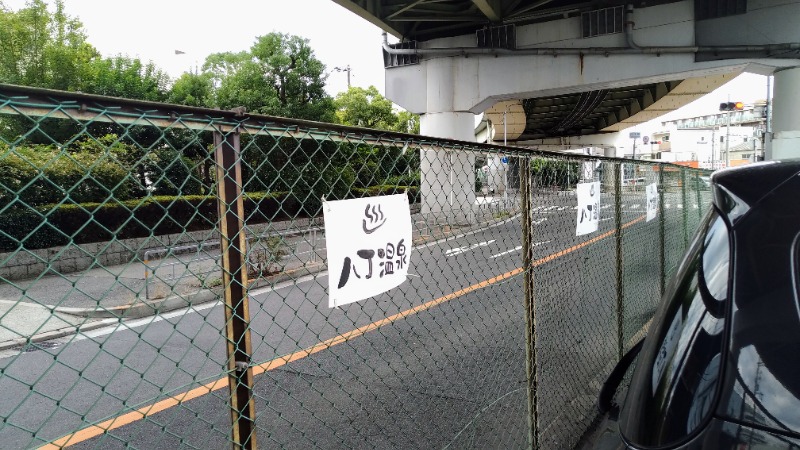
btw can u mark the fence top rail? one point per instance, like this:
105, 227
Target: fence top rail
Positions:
39, 102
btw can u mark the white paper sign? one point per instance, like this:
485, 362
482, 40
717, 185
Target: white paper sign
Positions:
368, 244
652, 201
588, 208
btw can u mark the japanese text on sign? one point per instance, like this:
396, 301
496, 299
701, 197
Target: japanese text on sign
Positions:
652, 201
588, 208
368, 245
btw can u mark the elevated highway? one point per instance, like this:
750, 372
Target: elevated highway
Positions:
570, 71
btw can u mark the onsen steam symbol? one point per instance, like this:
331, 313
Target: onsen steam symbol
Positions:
375, 216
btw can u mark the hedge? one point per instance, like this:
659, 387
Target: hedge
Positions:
386, 189
156, 215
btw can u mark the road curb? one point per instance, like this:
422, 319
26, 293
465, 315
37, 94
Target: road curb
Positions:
152, 307
54, 334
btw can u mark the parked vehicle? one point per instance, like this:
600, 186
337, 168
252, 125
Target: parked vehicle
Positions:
720, 367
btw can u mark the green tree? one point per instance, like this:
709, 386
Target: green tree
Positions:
368, 108
193, 90
365, 108
122, 76
278, 76
42, 48
407, 122
560, 173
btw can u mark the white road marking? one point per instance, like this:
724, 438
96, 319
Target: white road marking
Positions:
516, 249
635, 206
459, 236
466, 248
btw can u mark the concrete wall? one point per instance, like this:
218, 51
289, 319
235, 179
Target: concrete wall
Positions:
28, 264
766, 22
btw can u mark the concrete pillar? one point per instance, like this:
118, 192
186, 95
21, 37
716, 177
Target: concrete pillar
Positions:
785, 116
448, 176
497, 171
608, 168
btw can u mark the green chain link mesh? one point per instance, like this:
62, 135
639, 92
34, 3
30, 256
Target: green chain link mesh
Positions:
112, 282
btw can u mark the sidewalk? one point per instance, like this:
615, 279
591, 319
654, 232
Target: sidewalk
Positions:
56, 305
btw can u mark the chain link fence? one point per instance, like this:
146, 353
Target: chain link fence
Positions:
164, 284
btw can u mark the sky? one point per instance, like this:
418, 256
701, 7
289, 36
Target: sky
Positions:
153, 30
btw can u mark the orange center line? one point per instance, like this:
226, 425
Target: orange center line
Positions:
144, 412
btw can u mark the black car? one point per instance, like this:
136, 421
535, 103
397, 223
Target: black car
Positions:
720, 367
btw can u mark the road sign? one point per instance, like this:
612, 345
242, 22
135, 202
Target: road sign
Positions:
645, 140
504, 159
635, 135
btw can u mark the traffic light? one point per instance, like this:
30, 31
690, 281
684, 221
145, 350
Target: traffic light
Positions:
731, 106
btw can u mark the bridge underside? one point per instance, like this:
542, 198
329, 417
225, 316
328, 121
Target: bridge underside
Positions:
595, 112
423, 20
551, 69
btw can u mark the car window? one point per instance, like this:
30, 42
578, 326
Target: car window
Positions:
677, 375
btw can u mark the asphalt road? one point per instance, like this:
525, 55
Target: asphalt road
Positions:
450, 373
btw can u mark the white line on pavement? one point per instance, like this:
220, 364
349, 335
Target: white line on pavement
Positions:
516, 249
466, 248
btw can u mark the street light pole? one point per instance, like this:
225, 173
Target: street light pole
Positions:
344, 69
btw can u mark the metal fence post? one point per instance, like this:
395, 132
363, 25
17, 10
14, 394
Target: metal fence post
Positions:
685, 199
618, 241
234, 277
530, 307
662, 251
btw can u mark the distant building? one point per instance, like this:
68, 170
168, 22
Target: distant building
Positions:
702, 141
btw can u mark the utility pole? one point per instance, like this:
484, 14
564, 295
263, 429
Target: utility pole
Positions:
344, 69
728, 107
714, 164
728, 141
